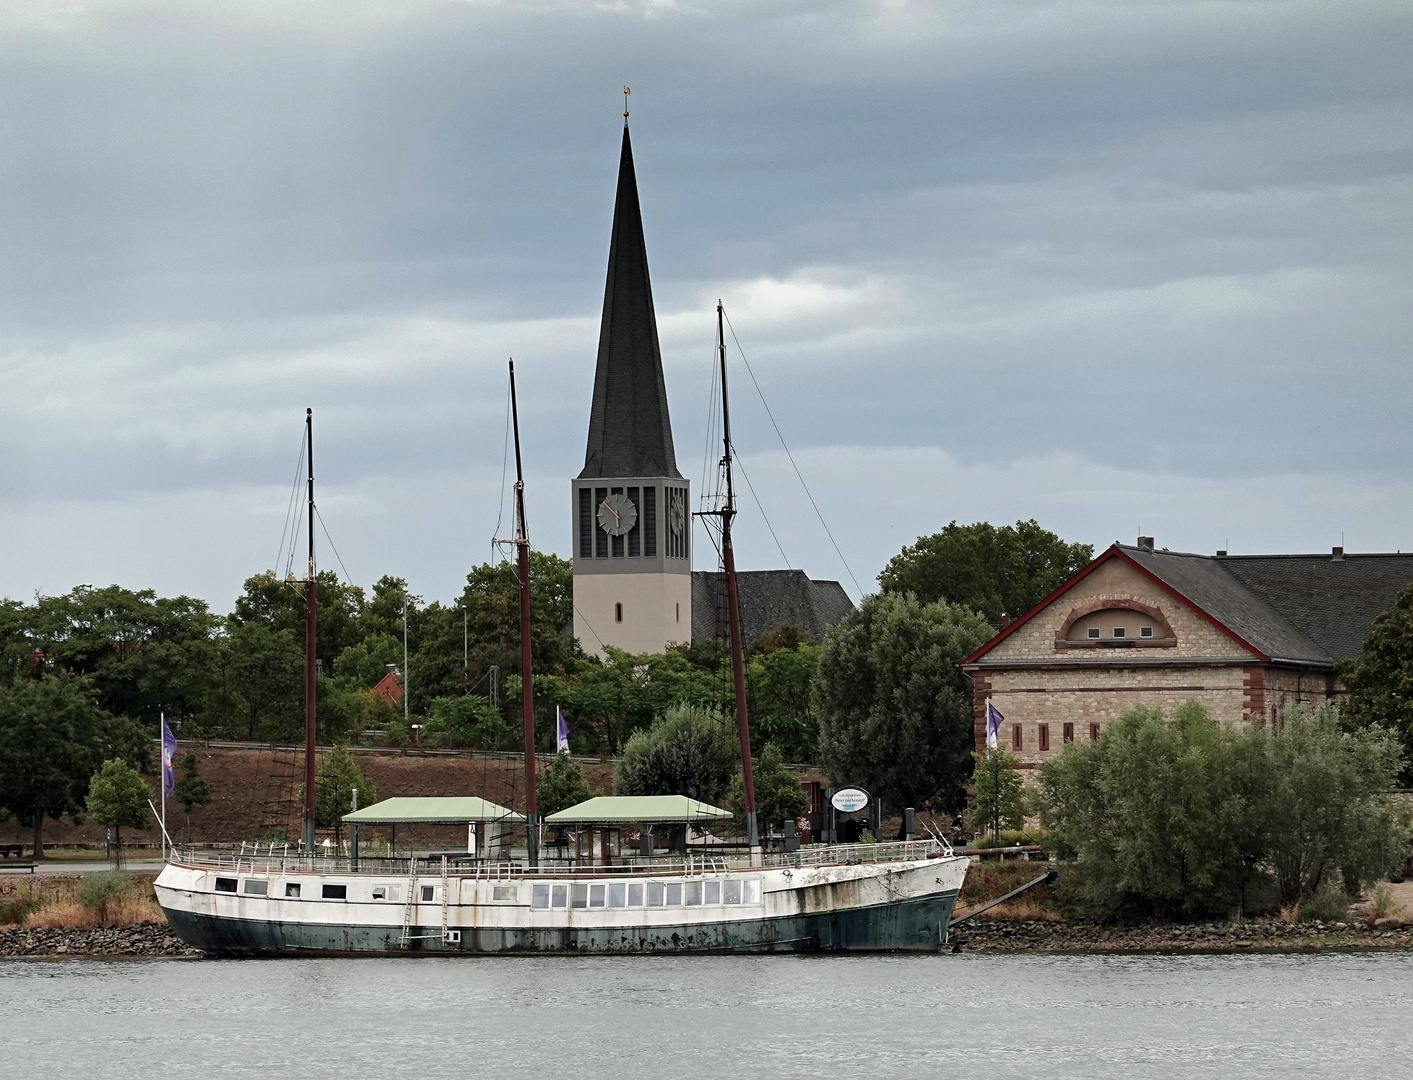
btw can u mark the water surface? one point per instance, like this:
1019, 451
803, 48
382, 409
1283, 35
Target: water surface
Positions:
970, 1017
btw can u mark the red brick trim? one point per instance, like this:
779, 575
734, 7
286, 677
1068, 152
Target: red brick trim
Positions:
1253, 707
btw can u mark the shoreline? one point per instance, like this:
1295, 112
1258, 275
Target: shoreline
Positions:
1015, 937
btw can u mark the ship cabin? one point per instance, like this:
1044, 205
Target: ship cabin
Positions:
607, 829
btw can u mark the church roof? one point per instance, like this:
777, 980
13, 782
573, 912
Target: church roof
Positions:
1309, 609
768, 598
630, 433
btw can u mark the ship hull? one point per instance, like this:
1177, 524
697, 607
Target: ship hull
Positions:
879, 908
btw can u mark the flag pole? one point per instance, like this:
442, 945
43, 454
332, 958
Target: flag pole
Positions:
162, 741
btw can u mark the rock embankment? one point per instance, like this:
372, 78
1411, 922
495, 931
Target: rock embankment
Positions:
139, 939
1082, 935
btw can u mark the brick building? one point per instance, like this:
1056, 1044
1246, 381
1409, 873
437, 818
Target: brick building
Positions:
1244, 634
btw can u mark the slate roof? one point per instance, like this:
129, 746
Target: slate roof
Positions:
768, 598
1311, 609
630, 433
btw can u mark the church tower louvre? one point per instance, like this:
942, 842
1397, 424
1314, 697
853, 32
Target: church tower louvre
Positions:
630, 506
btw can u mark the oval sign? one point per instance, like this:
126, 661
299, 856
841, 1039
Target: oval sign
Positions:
848, 800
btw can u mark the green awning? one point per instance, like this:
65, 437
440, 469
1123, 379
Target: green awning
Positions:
407, 810
639, 810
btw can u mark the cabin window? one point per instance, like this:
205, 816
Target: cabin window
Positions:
711, 892
635, 895
595, 896
225, 884
617, 612
559, 896
674, 894
429, 893
578, 896
1119, 632
1146, 631
1015, 736
335, 892
1044, 732
539, 896
656, 893
618, 894
1094, 631
692, 893
256, 888
505, 892
1093, 732
750, 891
380, 892
292, 890
1069, 733
730, 892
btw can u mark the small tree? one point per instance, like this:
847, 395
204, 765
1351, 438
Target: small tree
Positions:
191, 789
117, 796
465, 721
560, 785
1002, 800
779, 794
1380, 678
688, 751
334, 784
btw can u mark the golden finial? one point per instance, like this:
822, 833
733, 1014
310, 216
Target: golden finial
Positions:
626, 92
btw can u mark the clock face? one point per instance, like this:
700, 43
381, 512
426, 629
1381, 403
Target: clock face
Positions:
675, 517
617, 515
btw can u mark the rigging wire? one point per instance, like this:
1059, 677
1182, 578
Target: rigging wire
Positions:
504, 472
289, 531
320, 518
790, 456
768, 525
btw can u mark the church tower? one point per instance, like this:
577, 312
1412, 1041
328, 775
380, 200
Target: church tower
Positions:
632, 522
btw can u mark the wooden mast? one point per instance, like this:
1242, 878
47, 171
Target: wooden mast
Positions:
527, 690
311, 628
733, 611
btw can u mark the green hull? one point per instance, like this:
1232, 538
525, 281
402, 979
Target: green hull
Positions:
904, 925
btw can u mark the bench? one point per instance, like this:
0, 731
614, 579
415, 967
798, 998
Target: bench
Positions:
6, 850
26, 865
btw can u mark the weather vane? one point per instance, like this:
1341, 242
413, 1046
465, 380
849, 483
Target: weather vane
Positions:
626, 92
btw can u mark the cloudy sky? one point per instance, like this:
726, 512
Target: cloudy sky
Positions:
1126, 267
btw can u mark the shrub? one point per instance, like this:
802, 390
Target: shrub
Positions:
14, 906
99, 893
465, 721
779, 795
1384, 903
1329, 904
690, 750
560, 785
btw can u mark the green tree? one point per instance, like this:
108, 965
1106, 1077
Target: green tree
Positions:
996, 571
690, 750
1321, 805
779, 794
779, 693
467, 720
262, 672
53, 735
560, 785
278, 604
1380, 678
894, 706
334, 784
117, 796
1001, 799
191, 789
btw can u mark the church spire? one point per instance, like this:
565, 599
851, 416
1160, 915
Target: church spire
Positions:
630, 433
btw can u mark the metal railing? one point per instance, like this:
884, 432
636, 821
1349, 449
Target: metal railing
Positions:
280, 861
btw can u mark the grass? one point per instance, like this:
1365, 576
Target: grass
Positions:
987, 880
53, 901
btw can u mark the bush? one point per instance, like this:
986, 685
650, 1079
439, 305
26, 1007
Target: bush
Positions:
14, 906
779, 795
465, 721
690, 750
560, 785
98, 893
1329, 905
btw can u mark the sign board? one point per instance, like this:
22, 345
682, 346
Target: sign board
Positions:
848, 800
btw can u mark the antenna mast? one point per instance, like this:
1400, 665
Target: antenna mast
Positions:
311, 628
527, 691
733, 611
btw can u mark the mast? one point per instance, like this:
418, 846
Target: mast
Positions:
733, 611
311, 626
527, 691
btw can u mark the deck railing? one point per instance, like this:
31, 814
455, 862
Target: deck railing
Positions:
283, 861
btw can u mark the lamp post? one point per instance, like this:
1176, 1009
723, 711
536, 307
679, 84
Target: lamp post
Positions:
406, 691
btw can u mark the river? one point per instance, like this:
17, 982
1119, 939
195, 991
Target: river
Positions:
955, 1016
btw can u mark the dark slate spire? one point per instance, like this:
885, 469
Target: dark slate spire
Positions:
630, 433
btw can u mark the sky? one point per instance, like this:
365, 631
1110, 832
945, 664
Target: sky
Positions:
1129, 267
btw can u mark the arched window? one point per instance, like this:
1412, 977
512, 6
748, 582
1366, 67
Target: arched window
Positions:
1113, 623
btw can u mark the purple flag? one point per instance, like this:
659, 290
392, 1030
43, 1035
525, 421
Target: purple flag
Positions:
561, 732
994, 720
169, 751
